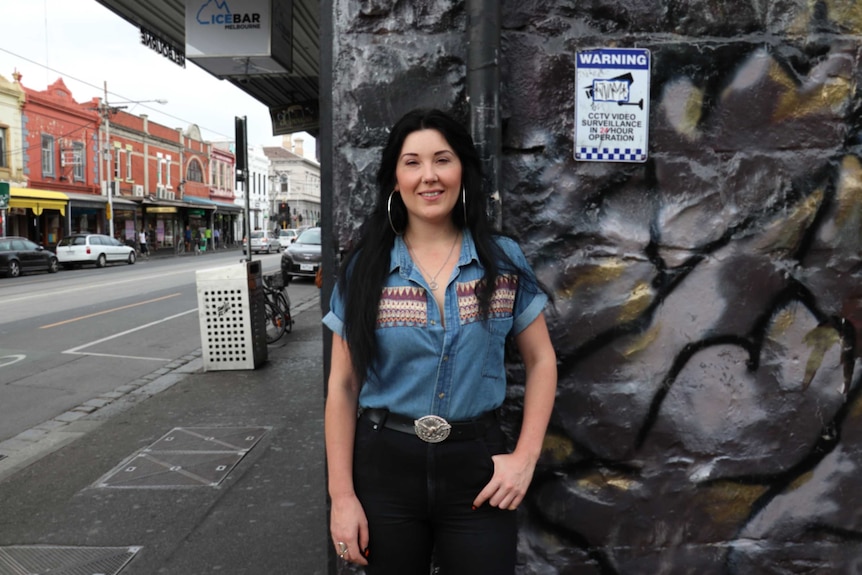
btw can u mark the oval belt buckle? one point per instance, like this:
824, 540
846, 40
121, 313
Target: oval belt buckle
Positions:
432, 428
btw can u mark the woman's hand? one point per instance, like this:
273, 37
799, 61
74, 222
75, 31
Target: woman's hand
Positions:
514, 472
348, 525
508, 485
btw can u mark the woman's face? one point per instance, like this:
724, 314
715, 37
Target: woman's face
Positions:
428, 175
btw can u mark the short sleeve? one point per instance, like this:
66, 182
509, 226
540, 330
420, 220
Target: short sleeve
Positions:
334, 319
530, 300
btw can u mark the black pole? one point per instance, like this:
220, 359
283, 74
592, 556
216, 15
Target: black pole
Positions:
483, 89
327, 177
241, 177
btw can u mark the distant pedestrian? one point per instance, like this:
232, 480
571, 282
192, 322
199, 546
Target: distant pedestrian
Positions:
145, 251
216, 236
188, 238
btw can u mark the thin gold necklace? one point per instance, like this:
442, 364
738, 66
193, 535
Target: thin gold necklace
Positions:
432, 283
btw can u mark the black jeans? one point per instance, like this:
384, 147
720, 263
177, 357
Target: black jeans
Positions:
418, 499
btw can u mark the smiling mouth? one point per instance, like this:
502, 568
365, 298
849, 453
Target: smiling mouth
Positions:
433, 194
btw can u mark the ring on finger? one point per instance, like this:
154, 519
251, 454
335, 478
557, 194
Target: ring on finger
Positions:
342, 550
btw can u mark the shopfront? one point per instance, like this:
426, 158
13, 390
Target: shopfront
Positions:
164, 226
127, 220
36, 214
88, 213
219, 216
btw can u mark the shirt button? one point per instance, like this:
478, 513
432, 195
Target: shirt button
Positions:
433, 322
445, 358
442, 395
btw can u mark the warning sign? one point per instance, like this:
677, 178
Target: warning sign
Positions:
612, 105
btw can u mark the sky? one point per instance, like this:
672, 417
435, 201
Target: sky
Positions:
90, 47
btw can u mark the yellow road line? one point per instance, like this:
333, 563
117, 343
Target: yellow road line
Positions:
74, 319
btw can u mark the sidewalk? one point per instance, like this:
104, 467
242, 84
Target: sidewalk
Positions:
239, 489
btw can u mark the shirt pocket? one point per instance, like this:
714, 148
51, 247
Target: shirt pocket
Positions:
498, 324
495, 351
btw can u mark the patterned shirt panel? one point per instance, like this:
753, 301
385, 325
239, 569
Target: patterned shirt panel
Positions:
402, 306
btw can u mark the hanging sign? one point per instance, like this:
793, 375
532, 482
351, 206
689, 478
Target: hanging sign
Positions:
612, 87
253, 38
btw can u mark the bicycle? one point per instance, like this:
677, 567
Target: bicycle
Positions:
276, 307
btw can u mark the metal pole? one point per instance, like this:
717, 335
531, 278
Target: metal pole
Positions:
483, 89
330, 261
241, 135
108, 159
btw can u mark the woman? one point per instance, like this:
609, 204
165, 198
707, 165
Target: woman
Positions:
420, 316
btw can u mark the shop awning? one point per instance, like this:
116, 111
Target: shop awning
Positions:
86, 200
79, 200
225, 207
38, 200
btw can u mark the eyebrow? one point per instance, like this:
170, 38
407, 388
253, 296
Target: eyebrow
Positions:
435, 153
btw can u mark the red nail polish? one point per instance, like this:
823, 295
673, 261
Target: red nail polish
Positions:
473, 507
366, 552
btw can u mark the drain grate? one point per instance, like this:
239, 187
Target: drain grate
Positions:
186, 457
61, 560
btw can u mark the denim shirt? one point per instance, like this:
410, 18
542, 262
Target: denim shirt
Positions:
456, 371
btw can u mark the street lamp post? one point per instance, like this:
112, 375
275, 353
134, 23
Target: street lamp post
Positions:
110, 172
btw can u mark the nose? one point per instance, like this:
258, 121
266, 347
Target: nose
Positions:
429, 176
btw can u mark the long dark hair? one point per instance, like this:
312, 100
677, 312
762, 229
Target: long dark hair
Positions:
367, 264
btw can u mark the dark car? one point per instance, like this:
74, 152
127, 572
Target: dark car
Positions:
20, 255
302, 257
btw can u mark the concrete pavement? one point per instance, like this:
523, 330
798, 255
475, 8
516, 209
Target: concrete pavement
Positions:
183, 472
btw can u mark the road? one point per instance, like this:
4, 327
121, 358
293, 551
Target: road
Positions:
68, 337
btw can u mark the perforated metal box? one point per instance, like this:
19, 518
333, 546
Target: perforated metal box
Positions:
232, 322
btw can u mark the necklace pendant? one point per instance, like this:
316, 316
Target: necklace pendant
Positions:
433, 285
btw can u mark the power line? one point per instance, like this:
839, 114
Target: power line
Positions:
120, 96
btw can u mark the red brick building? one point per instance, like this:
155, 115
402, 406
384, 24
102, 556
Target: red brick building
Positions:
159, 177
61, 164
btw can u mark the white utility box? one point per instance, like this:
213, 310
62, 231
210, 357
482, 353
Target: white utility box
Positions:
230, 308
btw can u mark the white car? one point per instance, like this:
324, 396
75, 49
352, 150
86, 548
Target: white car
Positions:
262, 241
97, 249
287, 237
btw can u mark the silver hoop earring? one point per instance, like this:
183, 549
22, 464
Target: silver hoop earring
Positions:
464, 203
389, 213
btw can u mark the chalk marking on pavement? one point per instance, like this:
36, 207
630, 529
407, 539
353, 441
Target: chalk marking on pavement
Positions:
77, 350
98, 313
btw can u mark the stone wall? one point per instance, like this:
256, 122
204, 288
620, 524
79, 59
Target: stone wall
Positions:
708, 302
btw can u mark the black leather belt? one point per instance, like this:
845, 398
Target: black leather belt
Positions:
431, 428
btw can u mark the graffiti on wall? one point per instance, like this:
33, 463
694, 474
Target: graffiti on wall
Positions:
708, 302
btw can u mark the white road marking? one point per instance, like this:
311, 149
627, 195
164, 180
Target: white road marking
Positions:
77, 350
